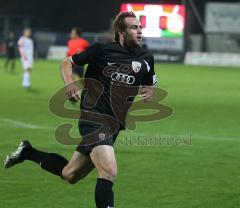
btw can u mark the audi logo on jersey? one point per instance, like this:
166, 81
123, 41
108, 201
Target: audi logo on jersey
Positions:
123, 78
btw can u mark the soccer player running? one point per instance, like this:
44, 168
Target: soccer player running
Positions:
77, 44
113, 69
25, 48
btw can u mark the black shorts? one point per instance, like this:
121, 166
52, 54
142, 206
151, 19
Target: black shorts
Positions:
86, 128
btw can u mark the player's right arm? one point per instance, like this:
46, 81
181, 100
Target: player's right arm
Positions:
73, 92
21, 49
79, 59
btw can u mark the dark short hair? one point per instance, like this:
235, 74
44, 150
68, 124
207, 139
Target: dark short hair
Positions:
120, 23
78, 30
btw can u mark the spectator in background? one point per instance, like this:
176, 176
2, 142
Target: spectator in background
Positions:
77, 44
10, 51
25, 47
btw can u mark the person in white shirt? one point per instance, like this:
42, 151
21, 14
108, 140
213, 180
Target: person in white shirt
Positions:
25, 47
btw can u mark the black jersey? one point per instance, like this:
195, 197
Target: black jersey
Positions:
116, 75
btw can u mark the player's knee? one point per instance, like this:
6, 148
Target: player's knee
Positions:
70, 177
110, 172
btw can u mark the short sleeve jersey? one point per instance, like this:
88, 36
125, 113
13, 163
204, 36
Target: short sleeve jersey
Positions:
26, 46
114, 72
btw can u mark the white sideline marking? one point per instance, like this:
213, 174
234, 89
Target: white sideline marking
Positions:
15, 124
19, 124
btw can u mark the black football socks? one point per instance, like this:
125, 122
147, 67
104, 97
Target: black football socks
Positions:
104, 196
50, 162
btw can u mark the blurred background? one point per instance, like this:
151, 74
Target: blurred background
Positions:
171, 28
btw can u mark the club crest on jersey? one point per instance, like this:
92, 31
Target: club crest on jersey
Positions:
136, 66
101, 136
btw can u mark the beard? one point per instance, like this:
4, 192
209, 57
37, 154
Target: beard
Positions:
130, 44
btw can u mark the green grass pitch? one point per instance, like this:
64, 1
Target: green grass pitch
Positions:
203, 174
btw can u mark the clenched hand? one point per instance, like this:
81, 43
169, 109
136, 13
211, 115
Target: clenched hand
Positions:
146, 93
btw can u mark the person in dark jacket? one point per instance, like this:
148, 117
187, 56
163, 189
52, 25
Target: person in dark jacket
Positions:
10, 51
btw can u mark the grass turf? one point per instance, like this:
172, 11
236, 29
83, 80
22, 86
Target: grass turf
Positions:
203, 174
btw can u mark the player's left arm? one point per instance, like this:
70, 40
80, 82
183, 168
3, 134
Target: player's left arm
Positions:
149, 80
146, 93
